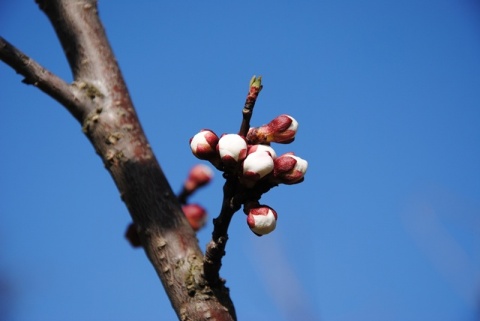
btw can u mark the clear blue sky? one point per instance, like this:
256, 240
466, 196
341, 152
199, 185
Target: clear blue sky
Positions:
385, 226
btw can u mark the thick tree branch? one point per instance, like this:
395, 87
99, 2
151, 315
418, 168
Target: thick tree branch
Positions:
99, 99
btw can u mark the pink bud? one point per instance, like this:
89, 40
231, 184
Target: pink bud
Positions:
199, 176
262, 220
289, 169
204, 144
257, 164
232, 149
284, 129
196, 215
280, 130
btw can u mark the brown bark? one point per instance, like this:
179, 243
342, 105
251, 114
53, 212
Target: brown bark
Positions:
98, 98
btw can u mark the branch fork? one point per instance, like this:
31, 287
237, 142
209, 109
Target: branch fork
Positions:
98, 98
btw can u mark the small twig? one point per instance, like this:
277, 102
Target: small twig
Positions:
254, 90
46, 81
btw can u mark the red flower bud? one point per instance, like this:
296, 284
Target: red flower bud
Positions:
280, 130
196, 215
284, 129
199, 176
289, 169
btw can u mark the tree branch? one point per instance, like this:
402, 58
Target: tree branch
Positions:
36, 75
99, 99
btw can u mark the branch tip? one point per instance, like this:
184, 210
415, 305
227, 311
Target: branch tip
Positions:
256, 82
253, 91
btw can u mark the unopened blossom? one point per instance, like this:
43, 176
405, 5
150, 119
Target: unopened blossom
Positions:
199, 176
284, 129
262, 147
280, 130
257, 164
262, 219
289, 169
232, 149
204, 144
196, 215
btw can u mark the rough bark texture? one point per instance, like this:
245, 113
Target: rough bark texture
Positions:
98, 98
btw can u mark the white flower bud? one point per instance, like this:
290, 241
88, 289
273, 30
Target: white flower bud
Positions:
204, 144
262, 220
232, 149
257, 165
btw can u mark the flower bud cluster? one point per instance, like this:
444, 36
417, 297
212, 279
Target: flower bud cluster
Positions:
254, 163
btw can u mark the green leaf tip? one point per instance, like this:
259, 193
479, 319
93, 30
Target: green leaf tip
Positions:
256, 81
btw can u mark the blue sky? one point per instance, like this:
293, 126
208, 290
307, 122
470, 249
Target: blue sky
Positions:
386, 224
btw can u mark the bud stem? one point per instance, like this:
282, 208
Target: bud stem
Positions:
255, 88
183, 196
